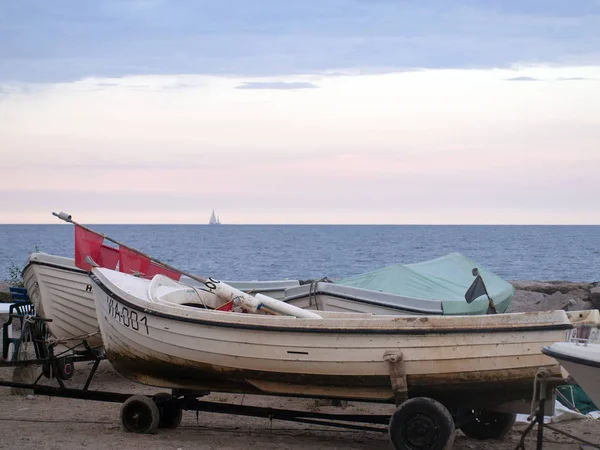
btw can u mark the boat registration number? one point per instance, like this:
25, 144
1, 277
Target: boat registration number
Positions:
126, 317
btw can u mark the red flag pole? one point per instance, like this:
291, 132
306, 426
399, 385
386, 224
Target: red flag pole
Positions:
222, 290
67, 218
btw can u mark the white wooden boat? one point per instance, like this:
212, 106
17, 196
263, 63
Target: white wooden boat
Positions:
63, 292
582, 360
158, 341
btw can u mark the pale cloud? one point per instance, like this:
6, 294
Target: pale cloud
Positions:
575, 79
428, 146
277, 85
523, 79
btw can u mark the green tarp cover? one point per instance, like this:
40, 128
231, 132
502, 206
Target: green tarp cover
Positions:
573, 395
445, 279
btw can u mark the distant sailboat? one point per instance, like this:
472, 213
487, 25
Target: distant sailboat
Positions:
214, 220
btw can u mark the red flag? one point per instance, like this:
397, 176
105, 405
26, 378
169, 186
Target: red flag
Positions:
87, 243
155, 269
132, 262
108, 257
226, 307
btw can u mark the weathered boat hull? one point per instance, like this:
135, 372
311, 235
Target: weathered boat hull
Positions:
182, 347
63, 293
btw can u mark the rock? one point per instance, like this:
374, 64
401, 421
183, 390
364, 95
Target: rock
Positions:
595, 296
572, 301
549, 295
551, 287
527, 301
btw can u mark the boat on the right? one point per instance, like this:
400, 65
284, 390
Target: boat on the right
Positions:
581, 359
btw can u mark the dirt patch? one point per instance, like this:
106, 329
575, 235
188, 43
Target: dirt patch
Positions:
40, 422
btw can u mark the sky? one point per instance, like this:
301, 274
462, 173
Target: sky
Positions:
336, 111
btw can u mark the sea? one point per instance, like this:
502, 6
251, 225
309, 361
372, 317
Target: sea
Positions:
270, 252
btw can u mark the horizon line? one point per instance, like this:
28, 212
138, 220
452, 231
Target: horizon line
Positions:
323, 224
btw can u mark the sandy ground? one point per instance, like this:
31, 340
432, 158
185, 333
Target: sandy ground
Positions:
40, 422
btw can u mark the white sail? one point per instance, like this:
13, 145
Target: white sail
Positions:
213, 219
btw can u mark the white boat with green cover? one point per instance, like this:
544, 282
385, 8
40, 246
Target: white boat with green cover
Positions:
435, 287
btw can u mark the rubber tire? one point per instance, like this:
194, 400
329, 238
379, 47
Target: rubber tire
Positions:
489, 425
170, 412
140, 407
60, 369
428, 416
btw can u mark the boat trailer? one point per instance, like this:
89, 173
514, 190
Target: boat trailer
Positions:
146, 413
139, 413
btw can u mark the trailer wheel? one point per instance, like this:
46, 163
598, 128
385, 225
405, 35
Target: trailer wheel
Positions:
169, 410
65, 368
139, 414
489, 425
421, 423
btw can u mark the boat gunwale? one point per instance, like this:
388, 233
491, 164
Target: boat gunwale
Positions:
308, 329
82, 271
286, 300
54, 266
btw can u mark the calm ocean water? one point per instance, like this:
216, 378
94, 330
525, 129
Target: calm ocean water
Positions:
251, 252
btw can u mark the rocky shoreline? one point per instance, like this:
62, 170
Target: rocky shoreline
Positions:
530, 295
551, 295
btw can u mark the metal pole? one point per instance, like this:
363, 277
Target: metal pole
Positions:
541, 408
491, 304
67, 218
